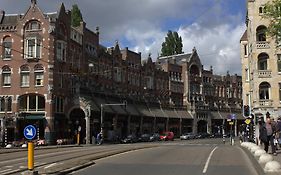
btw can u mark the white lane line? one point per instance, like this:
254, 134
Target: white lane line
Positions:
208, 160
3, 171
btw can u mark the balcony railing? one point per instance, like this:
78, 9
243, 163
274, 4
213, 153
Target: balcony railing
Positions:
264, 73
262, 45
265, 103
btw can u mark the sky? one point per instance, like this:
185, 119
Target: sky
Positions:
213, 27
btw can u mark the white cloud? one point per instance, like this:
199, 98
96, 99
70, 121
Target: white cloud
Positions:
218, 47
143, 25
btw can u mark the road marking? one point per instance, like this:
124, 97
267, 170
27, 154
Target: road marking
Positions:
3, 171
208, 160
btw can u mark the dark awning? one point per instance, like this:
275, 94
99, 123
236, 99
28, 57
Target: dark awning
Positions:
145, 111
118, 109
158, 112
215, 115
99, 101
131, 109
35, 117
171, 114
184, 114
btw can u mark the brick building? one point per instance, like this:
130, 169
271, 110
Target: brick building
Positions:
59, 78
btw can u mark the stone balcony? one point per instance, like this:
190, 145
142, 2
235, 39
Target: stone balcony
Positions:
264, 73
262, 45
265, 103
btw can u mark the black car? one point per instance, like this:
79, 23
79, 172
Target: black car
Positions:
130, 139
154, 137
145, 138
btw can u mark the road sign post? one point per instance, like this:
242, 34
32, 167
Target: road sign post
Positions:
30, 161
29, 133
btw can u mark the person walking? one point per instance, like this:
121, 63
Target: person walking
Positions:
278, 131
270, 132
99, 138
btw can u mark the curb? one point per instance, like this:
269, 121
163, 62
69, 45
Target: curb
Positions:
257, 166
266, 161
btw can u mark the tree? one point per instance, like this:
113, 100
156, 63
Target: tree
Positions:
76, 16
172, 44
272, 11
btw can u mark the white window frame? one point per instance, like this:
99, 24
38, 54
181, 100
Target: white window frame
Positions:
36, 48
7, 56
6, 80
39, 77
24, 78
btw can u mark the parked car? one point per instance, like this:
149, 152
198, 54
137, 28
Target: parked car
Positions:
154, 137
187, 136
144, 138
130, 139
167, 136
202, 135
216, 135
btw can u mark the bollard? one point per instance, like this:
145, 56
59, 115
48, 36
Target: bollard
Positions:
30, 164
78, 138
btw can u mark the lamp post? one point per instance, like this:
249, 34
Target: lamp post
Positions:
101, 114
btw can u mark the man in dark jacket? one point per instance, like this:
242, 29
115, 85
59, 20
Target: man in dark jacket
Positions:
270, 128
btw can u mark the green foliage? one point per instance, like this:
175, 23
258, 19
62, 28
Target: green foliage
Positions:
76, 16
172, 44
272, 11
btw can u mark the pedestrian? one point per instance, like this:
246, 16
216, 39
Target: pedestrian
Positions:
278, 131
99, 138
270, 132
262, 131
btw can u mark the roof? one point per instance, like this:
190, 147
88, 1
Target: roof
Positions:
179, 58
10, 19
244, 36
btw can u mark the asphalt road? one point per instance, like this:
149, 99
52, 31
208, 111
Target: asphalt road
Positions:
206, 156
176, 158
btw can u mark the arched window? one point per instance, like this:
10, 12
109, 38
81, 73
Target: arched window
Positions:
262, 61
38, 75
7, 48
264, 88
6, 76
261, 33
33, 40
24, 76
33, 26
194, 70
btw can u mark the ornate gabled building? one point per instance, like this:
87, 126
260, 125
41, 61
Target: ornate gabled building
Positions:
261, 64
210, 98
60, 79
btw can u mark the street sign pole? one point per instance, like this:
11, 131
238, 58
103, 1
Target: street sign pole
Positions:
30, 157
29, 133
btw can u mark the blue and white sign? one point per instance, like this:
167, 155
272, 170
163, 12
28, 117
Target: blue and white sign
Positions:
29, 132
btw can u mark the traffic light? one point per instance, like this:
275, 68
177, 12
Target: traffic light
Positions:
246, 110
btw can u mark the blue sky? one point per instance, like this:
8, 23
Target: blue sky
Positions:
214, 27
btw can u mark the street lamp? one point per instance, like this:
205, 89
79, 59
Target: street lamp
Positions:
101, 113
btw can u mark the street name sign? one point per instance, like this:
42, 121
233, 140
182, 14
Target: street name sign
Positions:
29, 132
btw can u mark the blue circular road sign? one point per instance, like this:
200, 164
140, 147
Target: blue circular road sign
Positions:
29, 132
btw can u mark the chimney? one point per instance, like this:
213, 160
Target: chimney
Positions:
2, 14
33, 2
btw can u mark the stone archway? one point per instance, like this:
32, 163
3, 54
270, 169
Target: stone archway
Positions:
77, 119
202, 126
